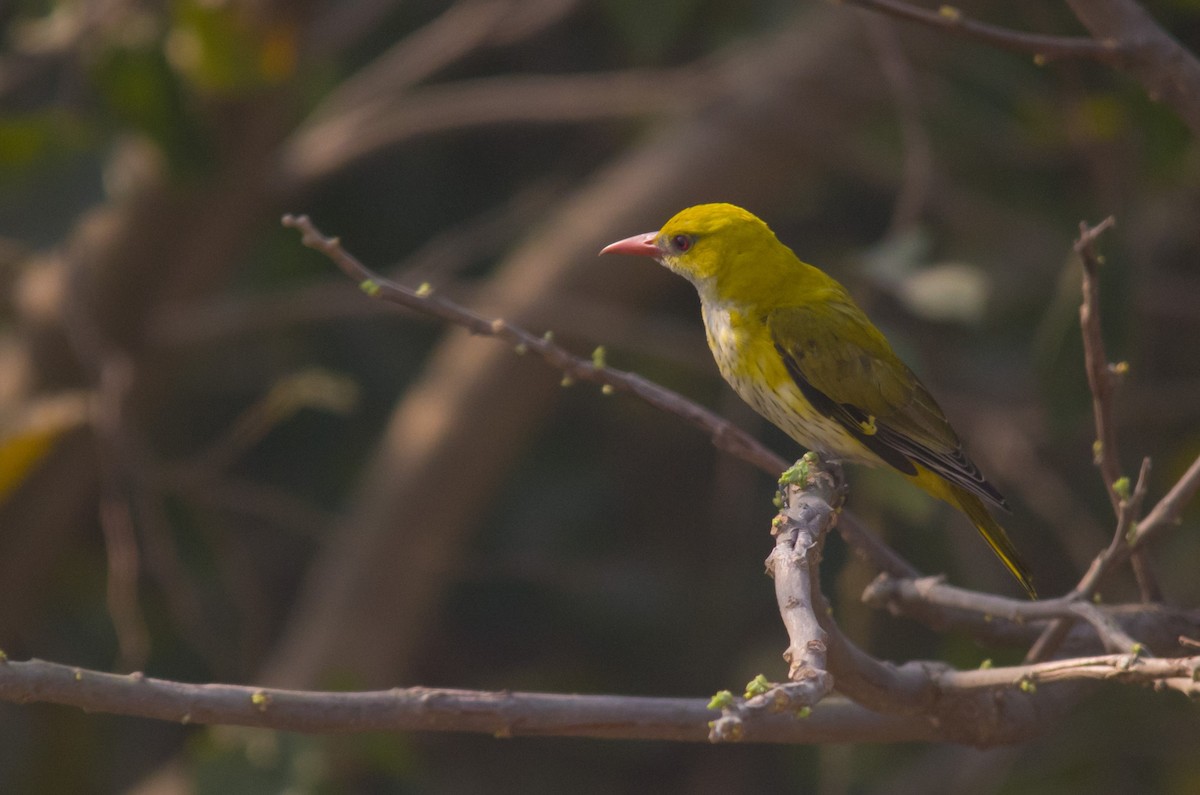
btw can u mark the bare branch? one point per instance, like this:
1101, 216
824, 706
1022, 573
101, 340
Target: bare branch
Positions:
1101, 376
1115, 639
948, 703
462, 29
1124, 36
1017, 622
1167, 70
725, 435
811, 499
1131, 509
1163, 515
1042, 48
812, 492
1166, 512
501, 714
917, 176
328, 144
1181, 673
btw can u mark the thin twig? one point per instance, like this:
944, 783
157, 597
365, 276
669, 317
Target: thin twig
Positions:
939, 605
1100, 375
725, 435
1101, 378
1018, 622
328, 144
917, 161
1043, 48
121, 592
444, 255
114, 373
1166, 513
1131, 509
1114, 638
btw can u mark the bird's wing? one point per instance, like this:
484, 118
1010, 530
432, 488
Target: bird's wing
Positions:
847, 370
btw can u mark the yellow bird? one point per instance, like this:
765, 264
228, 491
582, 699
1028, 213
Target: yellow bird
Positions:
794, 345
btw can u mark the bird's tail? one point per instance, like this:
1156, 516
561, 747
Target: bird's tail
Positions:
988, 527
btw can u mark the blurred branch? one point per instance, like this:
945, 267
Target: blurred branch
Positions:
444, 255
311, 388
328, 144
121, 591
1101, 374
1124, 36
113, 372
1011, 440
264, 503
1168, 71
340, 27
1043, 48
461, 29
373, 108
918, 151
37, 47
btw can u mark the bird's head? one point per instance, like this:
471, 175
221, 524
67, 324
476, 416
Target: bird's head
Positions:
729, 254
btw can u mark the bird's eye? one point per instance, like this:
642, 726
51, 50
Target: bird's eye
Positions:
681, 243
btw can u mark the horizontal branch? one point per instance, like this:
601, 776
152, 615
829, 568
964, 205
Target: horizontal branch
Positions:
501, 714
1042, 47
331, 142
1017, 622
1123, 35
1182, 673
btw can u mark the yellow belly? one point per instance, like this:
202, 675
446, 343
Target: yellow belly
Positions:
748, 360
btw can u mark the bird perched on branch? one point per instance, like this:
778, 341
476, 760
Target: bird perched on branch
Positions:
796, 347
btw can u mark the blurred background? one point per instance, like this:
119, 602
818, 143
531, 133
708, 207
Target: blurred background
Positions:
220, 462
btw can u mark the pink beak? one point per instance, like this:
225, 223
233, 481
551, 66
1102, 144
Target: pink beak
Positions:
638, 246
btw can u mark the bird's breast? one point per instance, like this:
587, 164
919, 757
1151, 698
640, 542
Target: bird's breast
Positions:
746, 356
728, 342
